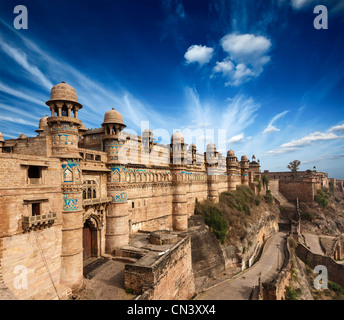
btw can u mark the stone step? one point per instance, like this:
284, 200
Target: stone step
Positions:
125, 259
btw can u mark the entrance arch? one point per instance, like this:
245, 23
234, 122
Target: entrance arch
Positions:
90, 238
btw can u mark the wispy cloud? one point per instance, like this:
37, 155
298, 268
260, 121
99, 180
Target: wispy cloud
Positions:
326, 158
22, 59
96, 97
307, 140
232, 116
18, 120
19, 94
271, 128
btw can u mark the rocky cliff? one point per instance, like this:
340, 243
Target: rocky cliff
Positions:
250, 222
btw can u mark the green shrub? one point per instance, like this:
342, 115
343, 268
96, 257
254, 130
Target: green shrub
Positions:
266, 180
214, 219
291, 294
335, 287
268, 197
307, 215
322, 198
259, 184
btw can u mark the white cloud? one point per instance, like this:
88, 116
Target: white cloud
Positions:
308, 140
198, 53
236, 139
246, 47
339, 128
247, 55
226, 67
271, 128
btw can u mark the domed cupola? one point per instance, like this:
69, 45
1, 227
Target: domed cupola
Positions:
63, 101
63, 126
113, 122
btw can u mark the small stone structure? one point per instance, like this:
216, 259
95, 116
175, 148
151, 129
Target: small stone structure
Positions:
164, 275
162, 237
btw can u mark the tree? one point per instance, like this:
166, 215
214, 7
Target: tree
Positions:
294, 166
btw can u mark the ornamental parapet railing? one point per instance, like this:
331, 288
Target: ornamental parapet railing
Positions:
88, 202
41, 221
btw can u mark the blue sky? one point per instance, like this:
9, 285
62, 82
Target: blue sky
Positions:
252, 76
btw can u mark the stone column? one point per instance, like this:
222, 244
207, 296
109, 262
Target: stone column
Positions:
179, 202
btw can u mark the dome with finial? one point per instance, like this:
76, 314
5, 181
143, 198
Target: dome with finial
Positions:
244, 158
177, 137
63, 92
113, 116
230, 153
1, 137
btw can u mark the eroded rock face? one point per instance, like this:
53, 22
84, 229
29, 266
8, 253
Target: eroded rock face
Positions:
329, 221
207, 255
210, 258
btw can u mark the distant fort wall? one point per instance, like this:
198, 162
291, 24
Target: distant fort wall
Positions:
302, 185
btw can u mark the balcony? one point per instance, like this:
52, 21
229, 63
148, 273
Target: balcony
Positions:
90, 202
38, 221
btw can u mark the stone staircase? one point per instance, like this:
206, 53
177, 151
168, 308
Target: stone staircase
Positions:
281, 199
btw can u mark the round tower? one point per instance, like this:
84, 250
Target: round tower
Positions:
211, 158
179, 199
63, 128
117, 218
233, 170
64, 123
244, 164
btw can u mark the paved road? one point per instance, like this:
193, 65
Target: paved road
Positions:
240, 287
313, 243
